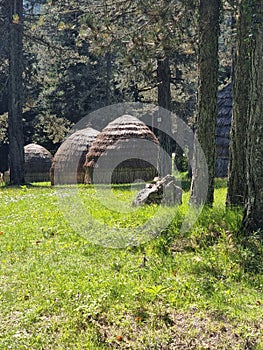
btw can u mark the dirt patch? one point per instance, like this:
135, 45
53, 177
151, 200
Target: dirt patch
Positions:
171, 330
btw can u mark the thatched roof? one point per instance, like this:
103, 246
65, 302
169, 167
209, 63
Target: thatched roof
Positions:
37, 163
67, 165
223, 129
126, 145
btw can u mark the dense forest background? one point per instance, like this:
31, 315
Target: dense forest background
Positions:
61, 60
80, 57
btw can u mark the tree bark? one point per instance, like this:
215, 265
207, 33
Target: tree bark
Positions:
206, 115
108, 58
164, 101
253, 213
15, 101
236, 192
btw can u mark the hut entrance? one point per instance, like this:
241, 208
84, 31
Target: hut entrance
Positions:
133, 170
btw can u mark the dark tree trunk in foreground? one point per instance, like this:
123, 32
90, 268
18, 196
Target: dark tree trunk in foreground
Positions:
253, 214
164, 101
206, 115
15, 127
237, 161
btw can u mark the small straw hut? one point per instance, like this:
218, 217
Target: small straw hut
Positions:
38, 161
124, 152
223, 130
67, 165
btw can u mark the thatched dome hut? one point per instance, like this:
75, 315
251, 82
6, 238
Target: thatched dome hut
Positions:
38, 161
67, 165
125, 151
223, 130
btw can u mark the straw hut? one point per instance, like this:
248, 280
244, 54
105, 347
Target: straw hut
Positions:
223, 130
38, 161
67, 165
125, 151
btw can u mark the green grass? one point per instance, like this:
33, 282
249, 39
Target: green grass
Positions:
200, 289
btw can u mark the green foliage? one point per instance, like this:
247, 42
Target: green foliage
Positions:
72, 80
138, 34
80, 56
92, 54
49, 130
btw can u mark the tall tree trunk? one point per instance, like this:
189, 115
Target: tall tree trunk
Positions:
108, 58
206, 115
236, 192
15, 127
164, 101
253, 214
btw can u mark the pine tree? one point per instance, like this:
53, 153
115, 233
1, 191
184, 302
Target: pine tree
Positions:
236, 193
15, 101
207, 99
253, 214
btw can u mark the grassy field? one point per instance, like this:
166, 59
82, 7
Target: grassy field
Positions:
201, 289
